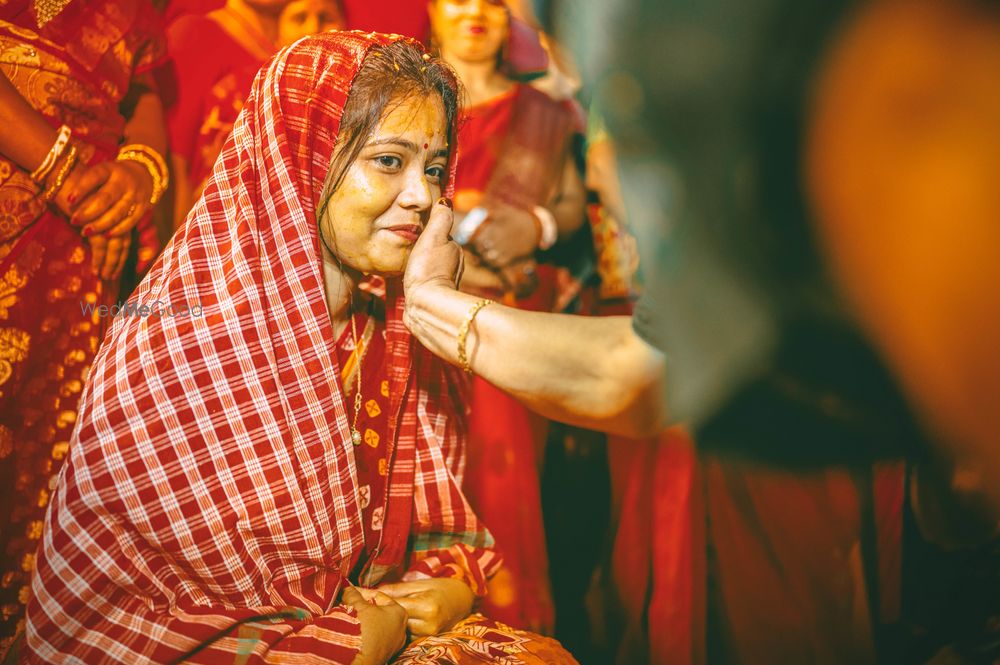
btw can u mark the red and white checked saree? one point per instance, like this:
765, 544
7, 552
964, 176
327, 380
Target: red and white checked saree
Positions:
210, 496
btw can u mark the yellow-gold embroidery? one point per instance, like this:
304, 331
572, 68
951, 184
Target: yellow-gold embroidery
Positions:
66, 418
14, 344
34, 529
59, 450
11, 283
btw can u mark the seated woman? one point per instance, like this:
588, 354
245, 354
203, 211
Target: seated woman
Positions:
268, 437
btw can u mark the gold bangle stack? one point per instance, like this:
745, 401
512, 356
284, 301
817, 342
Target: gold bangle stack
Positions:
153, 162
463, 332
52, 158
61, 175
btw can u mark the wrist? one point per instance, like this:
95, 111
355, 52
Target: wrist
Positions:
419, 303
59, 147
152, 163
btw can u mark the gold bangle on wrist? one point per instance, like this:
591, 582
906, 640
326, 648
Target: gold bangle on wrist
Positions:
153, 162
463, 332
52, 158
61, 175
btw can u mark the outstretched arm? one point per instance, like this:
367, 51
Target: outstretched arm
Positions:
591, 372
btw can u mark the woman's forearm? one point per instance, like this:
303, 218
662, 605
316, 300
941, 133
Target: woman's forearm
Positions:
569, 204
590, 372
25, 136
146, 123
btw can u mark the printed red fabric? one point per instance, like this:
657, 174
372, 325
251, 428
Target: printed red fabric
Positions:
209, 506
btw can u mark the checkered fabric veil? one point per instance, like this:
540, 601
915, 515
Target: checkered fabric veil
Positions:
209, 505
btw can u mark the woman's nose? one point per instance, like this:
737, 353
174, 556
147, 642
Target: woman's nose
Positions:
416, 194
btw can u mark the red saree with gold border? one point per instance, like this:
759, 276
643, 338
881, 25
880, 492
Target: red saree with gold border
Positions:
75, 69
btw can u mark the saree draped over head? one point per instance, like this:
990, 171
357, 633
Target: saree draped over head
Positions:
209, 508
73, 68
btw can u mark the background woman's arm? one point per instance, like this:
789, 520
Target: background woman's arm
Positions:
591, 372
25, 135
568, 203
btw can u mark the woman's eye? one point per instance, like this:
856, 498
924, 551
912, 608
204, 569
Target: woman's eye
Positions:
436, 173
389, 162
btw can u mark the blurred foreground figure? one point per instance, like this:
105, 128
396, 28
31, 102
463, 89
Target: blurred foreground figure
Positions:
762, 145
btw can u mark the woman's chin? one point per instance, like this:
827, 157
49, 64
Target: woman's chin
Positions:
385, 264
390, 267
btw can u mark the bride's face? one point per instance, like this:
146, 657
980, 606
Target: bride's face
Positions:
382, 205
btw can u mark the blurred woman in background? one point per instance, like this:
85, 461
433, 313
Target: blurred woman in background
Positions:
209, 88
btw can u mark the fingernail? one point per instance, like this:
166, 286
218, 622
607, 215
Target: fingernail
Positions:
446, 202
71, 198
87, 232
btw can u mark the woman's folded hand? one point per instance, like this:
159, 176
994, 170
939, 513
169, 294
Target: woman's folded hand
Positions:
432, 605
383, 625
107, 200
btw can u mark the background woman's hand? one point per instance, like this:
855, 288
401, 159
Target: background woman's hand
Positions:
508, 234
479, 278
520, 277
108, 255
110, 197
383, 625
432, 605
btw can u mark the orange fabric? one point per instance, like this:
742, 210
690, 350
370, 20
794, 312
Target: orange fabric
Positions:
478, 640
787, 581
788, 562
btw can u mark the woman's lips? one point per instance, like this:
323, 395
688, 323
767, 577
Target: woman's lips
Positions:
477, 29
410, 232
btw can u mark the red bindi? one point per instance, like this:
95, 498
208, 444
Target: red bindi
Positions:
425, 146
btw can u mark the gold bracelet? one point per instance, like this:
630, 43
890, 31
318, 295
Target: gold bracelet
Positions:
153, 162
463, 332
57, 184
52, 158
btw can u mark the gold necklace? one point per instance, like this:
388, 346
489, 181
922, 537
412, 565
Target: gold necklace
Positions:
360, 349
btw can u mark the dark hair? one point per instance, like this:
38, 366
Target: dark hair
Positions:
389, 74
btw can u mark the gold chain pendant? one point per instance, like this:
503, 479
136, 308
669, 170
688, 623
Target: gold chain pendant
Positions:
46, 10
